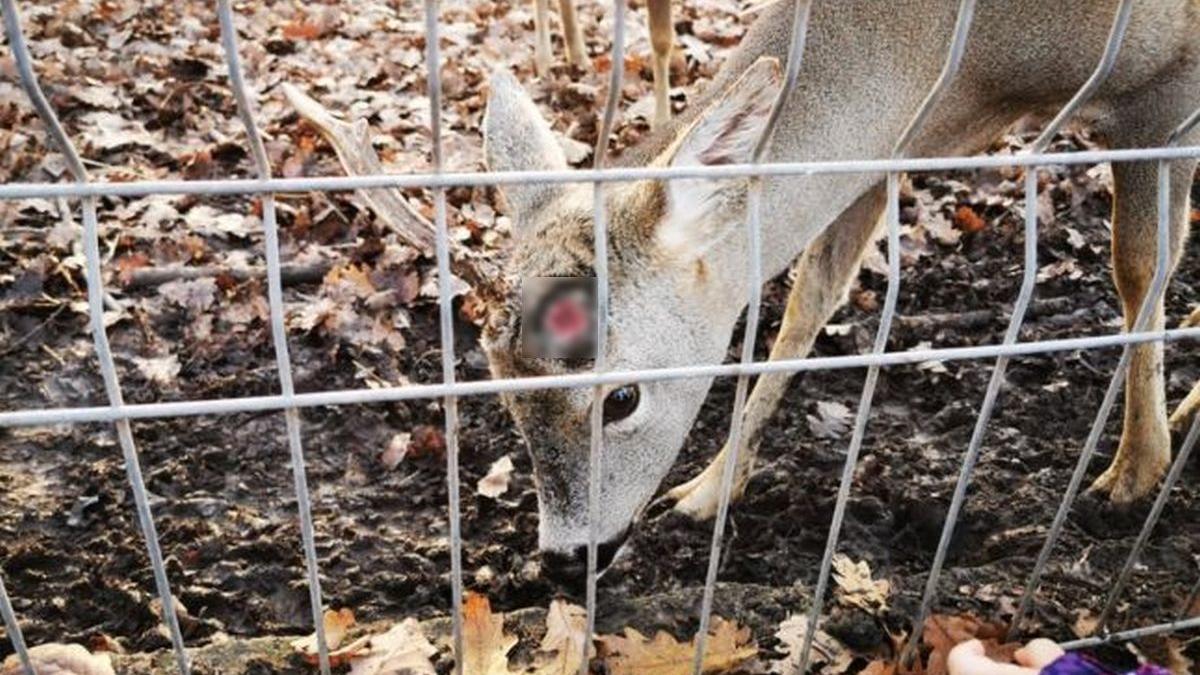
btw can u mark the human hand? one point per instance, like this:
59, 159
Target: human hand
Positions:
970, 658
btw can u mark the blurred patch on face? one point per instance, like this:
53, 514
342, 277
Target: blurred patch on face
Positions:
558, 317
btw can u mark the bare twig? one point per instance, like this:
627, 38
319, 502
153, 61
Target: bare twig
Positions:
291, 274
352, 142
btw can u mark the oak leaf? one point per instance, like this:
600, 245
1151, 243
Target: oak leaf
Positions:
826, 649
403, 649
855, 586
566, 628
60, 659
635, 654
485, 644
337, 625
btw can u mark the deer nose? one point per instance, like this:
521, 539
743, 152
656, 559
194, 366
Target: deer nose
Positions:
571, 567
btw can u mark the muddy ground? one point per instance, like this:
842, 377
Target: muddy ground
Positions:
74, 561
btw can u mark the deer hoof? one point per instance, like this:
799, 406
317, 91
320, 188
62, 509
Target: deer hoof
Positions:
699, 498
1127, 481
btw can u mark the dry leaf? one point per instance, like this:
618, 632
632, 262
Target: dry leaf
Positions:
635, 654
337, 625
967, 220
1085, 623
485, 645
566, 625
826, 649
495, 483
942, 632
401, 650
396, 451
879, 667
160, 370
856, 588
59, 659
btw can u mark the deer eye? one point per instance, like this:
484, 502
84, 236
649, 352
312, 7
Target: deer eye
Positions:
620, 403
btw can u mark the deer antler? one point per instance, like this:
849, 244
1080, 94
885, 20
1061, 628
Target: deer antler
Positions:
352, 143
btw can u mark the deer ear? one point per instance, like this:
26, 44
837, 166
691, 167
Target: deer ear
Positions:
517, 138
726, 132
699, 211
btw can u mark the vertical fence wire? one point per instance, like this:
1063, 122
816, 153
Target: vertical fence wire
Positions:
1190, 602
1153, 295
958, 41
278, 330
14, 630
1145, 312
95, 301
446, 328
1148, 526
600, 254
1177, 466
1024, 296
754, 282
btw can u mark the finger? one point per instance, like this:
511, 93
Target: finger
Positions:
970, 658
967, 658
1038, 653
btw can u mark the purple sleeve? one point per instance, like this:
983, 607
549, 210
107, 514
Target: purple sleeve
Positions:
1080, 664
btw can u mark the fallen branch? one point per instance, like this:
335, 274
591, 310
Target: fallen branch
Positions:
352, 143
290, 275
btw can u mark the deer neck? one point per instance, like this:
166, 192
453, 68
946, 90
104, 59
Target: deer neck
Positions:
856, 92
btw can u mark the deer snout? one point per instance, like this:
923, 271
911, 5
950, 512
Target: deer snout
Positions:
570, 567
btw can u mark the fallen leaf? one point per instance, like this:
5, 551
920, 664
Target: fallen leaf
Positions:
161, 370
635, 654
942, 632
879, 667
337, 625
60, 659
485, 644
831, 421
403, 649
826, 649
566, 625
396, 451
495, 483
855, 586
1085, 623
967, 220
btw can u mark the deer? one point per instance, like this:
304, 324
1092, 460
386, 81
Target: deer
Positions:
662, 41
677, 254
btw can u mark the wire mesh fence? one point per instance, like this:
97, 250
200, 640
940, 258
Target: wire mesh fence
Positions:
449, 390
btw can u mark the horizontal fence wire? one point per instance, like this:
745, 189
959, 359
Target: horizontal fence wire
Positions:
608, 175
283, 361
225, 406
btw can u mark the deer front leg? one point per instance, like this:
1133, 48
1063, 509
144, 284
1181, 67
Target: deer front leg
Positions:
823, 275
572, 34
1145, 448
541, 29
662, 40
